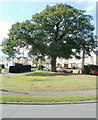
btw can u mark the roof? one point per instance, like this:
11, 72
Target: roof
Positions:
96, 52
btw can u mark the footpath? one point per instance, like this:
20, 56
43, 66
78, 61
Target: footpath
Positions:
67, 93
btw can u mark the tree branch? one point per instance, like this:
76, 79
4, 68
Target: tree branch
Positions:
61, 36
56, 33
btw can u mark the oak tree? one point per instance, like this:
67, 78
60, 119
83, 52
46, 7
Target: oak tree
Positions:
57, 31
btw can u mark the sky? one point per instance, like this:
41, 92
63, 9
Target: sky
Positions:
12, 11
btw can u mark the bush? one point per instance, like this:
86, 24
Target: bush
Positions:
19, 69
2, 66
66, 68
74, 67
18, 64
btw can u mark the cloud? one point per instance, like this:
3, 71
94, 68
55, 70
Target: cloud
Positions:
4, 27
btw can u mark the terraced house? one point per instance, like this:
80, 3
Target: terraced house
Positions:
12, 61
73, 62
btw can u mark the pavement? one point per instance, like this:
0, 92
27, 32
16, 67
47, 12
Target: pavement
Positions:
67, 93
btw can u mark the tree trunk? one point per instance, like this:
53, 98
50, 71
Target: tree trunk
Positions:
83, 61
53, 64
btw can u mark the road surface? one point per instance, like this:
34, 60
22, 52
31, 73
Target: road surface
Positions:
87, 110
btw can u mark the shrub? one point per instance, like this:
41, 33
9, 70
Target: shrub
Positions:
2, 66
66, 68
18, 64
74, 67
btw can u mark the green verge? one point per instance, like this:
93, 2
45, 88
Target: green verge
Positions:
8, 98
47, 81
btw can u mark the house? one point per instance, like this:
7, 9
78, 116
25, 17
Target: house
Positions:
61, 62
47, 63
7, 62
91, 60
11, 61
73, 62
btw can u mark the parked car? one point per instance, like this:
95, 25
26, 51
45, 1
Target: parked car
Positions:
59, 69
93, 72
63, 70
46, 69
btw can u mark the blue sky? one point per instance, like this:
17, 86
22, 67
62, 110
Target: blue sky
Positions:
11, 12
20, 11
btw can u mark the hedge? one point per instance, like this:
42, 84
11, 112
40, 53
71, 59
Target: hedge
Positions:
19, 69
88, 68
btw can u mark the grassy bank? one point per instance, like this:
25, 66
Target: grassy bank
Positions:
7, 98
47, 81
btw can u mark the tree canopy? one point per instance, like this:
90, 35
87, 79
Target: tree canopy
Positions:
57, 31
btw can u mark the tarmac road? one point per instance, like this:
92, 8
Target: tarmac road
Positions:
87, 110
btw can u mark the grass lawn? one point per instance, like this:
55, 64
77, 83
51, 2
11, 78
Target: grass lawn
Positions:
47, 81
36, 99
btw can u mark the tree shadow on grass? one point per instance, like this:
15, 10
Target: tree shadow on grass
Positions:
20, 72
47, 74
